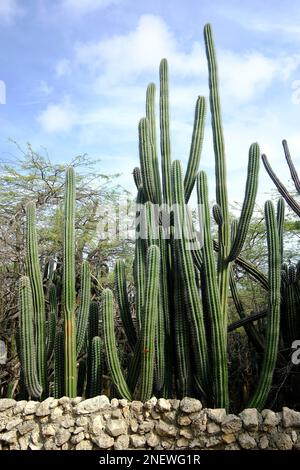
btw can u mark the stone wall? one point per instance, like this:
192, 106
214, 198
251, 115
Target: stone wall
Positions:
98, 423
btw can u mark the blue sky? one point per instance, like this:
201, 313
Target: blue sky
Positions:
76, 72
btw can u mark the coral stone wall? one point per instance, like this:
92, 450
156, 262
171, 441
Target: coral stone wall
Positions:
98, 423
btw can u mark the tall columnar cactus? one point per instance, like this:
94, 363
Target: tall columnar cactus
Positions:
83, 314
95, 368
28, 351
34, 273
273, 326
111, 345
69, 293
149, 323
59, 365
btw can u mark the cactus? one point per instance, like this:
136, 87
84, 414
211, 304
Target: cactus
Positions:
83, 314
37, 294
149, 323
69, 294
95, 368
59, 365
28, 355
273, 326
124, 307
52, 321
111, 346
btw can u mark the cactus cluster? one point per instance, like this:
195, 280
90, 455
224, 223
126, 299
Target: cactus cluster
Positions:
177, 328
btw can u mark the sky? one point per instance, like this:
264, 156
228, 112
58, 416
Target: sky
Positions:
76, 72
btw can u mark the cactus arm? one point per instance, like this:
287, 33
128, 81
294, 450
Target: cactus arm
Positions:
52, 320
94, 317
137, 177
291, 165
111, 346
149, 323
83, 314
150, 114
124, 307
220, 170
290, 200
37, 295
95, 376
146, 160
273, 326
248, 204
196, 147
280, 223
59, 363
69, 294
187, 273
218, 338
165, 144
139, 258
28, 355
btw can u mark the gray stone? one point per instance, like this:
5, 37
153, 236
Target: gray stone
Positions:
64, 400
170, 417
10, 436
123, 402
183, 443
48, 430
78, 430
283, 441
24, 442
199, 423
37, 446
27, 426
270, 419
62, 436
136, 407
13, 423
137, 440
116, 414
150, 404
31, 407
45, 407
249, 418
246, 441
164, 429
263, 442
183, 420
213, 428
134, 425
145, 427
186, 432
76, 400
19, 407
121, 443
116, 427
190, 405
114, 403
213, 441
103, 441
152, 439
75, 439
163, 405
229, 438
97, 425
216, 414
91, 405
231, 424
290, 418
56, 414
6, 403
67, 422
84, 445
82, 421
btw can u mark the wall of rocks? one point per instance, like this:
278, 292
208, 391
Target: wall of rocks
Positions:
99, 423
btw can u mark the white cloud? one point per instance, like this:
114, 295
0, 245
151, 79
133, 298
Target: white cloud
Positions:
9, 9
62, 68
86, 6
45, 88
124, 58
59, 117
